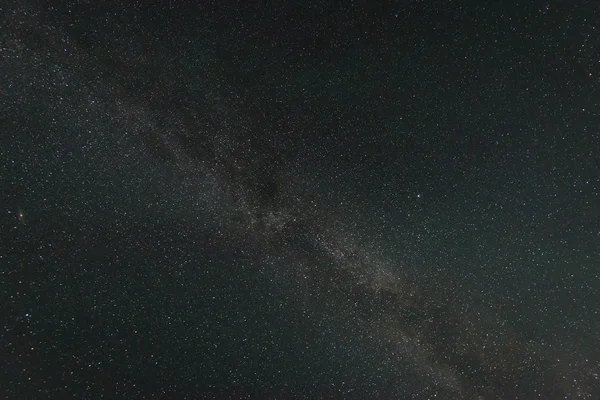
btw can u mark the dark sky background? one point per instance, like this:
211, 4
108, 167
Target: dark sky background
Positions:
278, 200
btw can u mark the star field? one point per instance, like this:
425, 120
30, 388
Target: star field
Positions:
343, 200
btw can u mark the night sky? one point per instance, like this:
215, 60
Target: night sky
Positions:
300, 200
